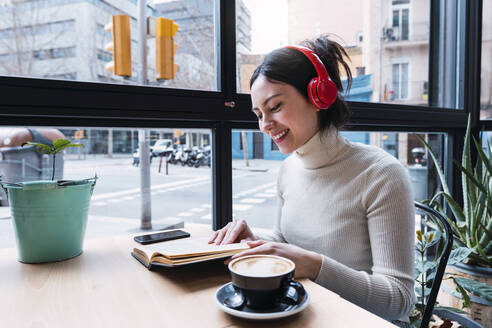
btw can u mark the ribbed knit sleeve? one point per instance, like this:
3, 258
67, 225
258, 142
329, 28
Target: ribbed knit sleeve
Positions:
386, 290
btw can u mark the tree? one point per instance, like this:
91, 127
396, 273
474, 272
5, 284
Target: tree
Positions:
29, 32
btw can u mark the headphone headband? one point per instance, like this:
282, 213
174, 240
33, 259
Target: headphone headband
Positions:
315, 60
322, 91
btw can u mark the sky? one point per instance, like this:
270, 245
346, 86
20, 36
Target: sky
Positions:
268, 24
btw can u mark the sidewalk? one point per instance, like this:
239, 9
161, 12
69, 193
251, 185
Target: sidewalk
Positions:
97, 226
260, 165
256, 165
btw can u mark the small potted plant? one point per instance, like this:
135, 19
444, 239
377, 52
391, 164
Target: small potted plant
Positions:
50, 216
428, 253
471, 277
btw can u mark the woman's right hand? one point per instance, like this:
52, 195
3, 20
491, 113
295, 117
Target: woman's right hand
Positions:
234, 232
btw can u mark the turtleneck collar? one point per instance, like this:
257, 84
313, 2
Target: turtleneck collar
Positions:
322, 149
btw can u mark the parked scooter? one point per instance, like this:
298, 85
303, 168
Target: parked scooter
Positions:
203, 157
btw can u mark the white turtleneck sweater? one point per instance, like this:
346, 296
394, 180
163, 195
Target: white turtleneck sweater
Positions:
353, 204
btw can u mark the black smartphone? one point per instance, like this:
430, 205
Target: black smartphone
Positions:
161, 236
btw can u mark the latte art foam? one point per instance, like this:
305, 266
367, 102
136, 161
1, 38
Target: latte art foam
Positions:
261, 267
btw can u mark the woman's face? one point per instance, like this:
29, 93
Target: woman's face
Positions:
283, 113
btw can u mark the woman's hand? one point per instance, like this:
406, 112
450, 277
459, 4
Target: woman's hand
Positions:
307, 263
234, 232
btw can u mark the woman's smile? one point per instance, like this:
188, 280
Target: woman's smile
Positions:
279, 137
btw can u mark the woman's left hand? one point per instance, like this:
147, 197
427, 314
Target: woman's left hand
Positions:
307, 263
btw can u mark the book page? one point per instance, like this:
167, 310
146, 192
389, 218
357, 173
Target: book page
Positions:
187, 247
165, 260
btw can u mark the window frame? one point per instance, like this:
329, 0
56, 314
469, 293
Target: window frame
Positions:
37, 102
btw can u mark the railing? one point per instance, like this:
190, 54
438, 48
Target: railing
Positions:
417, 91
416, 32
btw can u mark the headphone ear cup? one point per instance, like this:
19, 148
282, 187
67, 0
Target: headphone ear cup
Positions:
327, 92
322, 94
313, 93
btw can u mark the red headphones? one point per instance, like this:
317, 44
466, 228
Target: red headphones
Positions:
322, 91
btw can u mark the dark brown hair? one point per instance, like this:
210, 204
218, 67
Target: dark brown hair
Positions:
293, 67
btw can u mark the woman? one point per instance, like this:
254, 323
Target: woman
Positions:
345, 213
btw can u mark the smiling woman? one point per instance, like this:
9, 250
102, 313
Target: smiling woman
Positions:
354, 200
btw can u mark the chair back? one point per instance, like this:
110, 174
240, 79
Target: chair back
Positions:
428, 213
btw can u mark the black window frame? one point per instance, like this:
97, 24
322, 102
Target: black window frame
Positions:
38, 102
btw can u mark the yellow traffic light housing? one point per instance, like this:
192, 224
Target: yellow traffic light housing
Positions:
121, 46
165, 49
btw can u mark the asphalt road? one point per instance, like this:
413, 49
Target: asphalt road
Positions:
185, 193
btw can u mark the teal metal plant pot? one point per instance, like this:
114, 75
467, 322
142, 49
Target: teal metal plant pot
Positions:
49, 218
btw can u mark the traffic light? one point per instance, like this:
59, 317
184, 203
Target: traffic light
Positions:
165, 49
121, 46
79, 135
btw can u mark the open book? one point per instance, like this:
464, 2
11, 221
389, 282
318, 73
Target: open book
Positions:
183, 251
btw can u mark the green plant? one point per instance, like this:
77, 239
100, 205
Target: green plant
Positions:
58, 146
425, 272
472, 229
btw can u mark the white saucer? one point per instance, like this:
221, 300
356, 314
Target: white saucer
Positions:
248, 313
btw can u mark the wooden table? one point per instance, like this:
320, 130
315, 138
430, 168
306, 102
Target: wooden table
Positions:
107, 287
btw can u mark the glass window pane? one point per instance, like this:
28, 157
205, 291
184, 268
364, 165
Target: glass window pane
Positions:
395, 93
486, 72
404, 81
404, 24
67, 40
255, 175
180, 175
396, 18
374, 36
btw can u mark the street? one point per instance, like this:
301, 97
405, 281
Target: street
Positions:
185, 194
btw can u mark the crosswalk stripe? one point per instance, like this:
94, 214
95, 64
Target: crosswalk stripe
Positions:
265, 195
253, 200
240, 207
185, 214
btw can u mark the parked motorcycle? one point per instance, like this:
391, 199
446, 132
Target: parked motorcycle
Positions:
203, 157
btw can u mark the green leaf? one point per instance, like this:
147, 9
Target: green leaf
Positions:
471, 178
436, 163
423, 267
483, 156
464, 295
475, 287
450, 309
415, 323
42, 148
455, 207
489, 233
466, 165
458, 255
60, 143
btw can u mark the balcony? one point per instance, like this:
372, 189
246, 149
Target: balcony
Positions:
418, 35
417, 94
